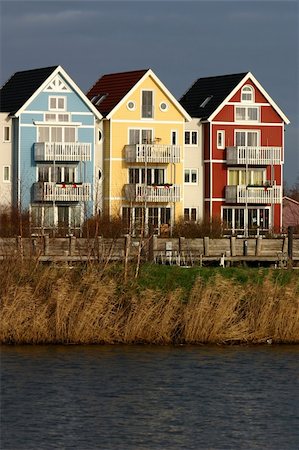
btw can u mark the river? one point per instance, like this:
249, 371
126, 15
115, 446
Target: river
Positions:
149, 397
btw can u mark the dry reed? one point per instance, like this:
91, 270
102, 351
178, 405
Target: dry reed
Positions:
55, 305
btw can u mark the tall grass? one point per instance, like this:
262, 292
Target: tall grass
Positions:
87, 305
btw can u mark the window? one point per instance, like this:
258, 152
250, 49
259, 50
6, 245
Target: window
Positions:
253, 177
247, 138
150, 176
247, 113
234, 219
247, 94
6, 173
57, 103
56, 134
221, 139
163, 106
131, 105
190, 214
190, 176
139, 136
56, 117
6, 134
57, 174
147, 105
191, 137
174, 138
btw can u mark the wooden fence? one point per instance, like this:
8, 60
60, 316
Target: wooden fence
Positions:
181, 251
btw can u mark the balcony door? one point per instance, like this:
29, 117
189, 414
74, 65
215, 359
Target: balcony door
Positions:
56, 134
247, 138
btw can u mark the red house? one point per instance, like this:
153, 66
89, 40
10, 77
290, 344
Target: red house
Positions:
243, 151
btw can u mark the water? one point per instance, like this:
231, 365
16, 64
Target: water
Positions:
143, 397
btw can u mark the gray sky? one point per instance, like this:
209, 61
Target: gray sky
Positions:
180, 40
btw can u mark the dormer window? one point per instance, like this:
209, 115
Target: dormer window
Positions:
247, 94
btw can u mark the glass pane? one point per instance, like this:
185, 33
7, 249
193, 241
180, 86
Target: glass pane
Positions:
186, 214
240, 138
173, 138
239, 219
36, 216
193, 214
56, 134
233, 178
187, 176
146, 136
147, 104
43, 134
187, 137
48, 216
134, 137
240, 113
75, 212
194, 137
257, 177
252, 139
43, 174
69, 134
252, 113
193, 176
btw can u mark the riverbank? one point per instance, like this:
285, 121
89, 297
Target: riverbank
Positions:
91, 304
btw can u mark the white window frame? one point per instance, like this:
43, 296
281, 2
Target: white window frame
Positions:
246, 118
57, 98
172, 134
246, 87
56, 117
190, 138
6, 180
221, 134
6, 128
47, 125
258, 132
190, 208
153, 104
189, 172
250, 175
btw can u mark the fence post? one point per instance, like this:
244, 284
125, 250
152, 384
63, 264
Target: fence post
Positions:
290, 242
258, 247
245, 248
72, 245
233, 245
206, 243
46, 244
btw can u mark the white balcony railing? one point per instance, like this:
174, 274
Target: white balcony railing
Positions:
159, 194
62, 192
254, 155
62, 151
254, 194
153, 153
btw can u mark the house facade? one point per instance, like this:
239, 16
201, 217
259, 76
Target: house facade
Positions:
50, 147
143, 149
242, 131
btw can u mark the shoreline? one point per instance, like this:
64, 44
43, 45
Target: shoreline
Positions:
92, 305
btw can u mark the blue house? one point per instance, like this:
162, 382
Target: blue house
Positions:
54, 129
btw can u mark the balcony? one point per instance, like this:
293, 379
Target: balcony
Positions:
253, 194
166, 193
62, 151
153, 153
254, 155
62, 192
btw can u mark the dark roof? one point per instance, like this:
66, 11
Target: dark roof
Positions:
110, 89
217, 88
21, 86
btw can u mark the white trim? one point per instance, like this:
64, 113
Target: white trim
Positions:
222, 134
215, 161
253, 104
216, 199
259, 87
114, 159
59, 124
172, 99
61, 71
211, 172
142, 121
242, 124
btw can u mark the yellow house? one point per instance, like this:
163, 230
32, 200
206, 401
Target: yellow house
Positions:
143, 149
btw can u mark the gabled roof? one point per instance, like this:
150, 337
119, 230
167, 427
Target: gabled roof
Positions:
208, 95
24, 86
21, 86
112, 88
217, 88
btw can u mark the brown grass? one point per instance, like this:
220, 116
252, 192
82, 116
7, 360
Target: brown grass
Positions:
58, 305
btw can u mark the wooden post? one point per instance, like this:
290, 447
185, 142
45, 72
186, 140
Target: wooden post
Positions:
233, 246
181, 244
245, 247
206, 244
290, 242
258, 246
72, 245
46, 244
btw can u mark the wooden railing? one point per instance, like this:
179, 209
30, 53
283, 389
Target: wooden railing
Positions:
153, 153
253, 194
159, 194
74, 192
62, 151
253, 155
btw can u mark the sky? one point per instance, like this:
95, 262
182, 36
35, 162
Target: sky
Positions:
180, 40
